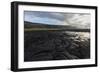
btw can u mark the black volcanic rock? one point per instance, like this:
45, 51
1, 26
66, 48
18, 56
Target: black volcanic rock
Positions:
54, 45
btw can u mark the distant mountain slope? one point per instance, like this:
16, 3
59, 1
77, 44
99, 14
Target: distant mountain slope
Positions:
40, 25
29, 26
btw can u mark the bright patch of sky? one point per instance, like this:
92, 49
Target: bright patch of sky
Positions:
52, 18
44, 17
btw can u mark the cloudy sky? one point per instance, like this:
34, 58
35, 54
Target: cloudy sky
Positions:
53, 18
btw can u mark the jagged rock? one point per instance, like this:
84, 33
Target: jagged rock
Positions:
54, 45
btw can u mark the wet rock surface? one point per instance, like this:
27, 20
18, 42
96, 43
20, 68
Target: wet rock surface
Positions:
55, 45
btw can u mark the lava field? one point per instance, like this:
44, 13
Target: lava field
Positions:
55, 45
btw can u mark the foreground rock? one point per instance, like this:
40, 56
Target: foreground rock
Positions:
55, 45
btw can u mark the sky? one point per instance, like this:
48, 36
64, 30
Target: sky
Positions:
57, 18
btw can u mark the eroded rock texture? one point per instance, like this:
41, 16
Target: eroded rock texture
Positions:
55, 45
